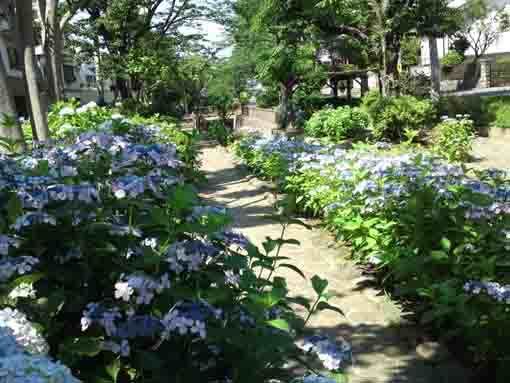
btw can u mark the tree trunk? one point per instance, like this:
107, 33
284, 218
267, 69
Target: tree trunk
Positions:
392, 60
334, 87
8, 110
55, 66
364, 85
24, 18
284, 117
435, 69
349, 90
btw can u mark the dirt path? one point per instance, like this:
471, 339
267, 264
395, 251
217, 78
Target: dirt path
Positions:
492, 152
386, 348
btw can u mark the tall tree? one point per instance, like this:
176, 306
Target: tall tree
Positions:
24, 21
435, 19
289, 28
482, 25
117, 28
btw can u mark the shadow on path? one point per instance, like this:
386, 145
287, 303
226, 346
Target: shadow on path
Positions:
387, 348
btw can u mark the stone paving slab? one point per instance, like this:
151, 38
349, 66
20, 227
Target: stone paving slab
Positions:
387, 349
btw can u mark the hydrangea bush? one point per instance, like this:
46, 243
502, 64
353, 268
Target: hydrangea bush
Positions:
110, 264
455, 137
436, 232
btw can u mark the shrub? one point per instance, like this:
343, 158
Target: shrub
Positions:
217, 130
434, 233
268, 98
124, 276
452, 58
337, 124
392, 116
454, 138
501, 112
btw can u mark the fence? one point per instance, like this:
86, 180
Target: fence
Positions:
499, 75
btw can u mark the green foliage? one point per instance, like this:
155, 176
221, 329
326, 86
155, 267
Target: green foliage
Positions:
392, 116
411, 48
268, 98
482, 110
501, 112
452, 58
454, 138
337, 124
217, 130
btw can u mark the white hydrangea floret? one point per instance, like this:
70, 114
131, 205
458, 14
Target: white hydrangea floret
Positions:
66, 111
24, 290
24, 332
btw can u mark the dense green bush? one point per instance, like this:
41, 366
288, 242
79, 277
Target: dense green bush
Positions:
452, 58
337, 124
501, 112
268, 98
217, 130
435, 234
454, 138
392, 116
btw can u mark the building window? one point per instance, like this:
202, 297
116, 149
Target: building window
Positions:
69, 76
14, 58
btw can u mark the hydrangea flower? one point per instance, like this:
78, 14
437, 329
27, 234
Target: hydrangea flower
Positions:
144, 286
36, 218
66, 111
189, 255
498, 292
316, 379
6, 243
188, 318
332, 354
24, 290
16, 265
8, 344
23, 331
22, 368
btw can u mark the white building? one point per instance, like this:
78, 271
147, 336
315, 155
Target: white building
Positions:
80, 79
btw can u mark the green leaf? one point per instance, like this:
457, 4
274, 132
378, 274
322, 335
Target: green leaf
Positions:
14, 208
113, 369
438, 255
149, 361
322, 306
55, 303
319, 285
446, 244
83, 346
269, 245
293, 268
280, 324
302, 301
338, 377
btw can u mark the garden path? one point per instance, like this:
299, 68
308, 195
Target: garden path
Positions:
386, 348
